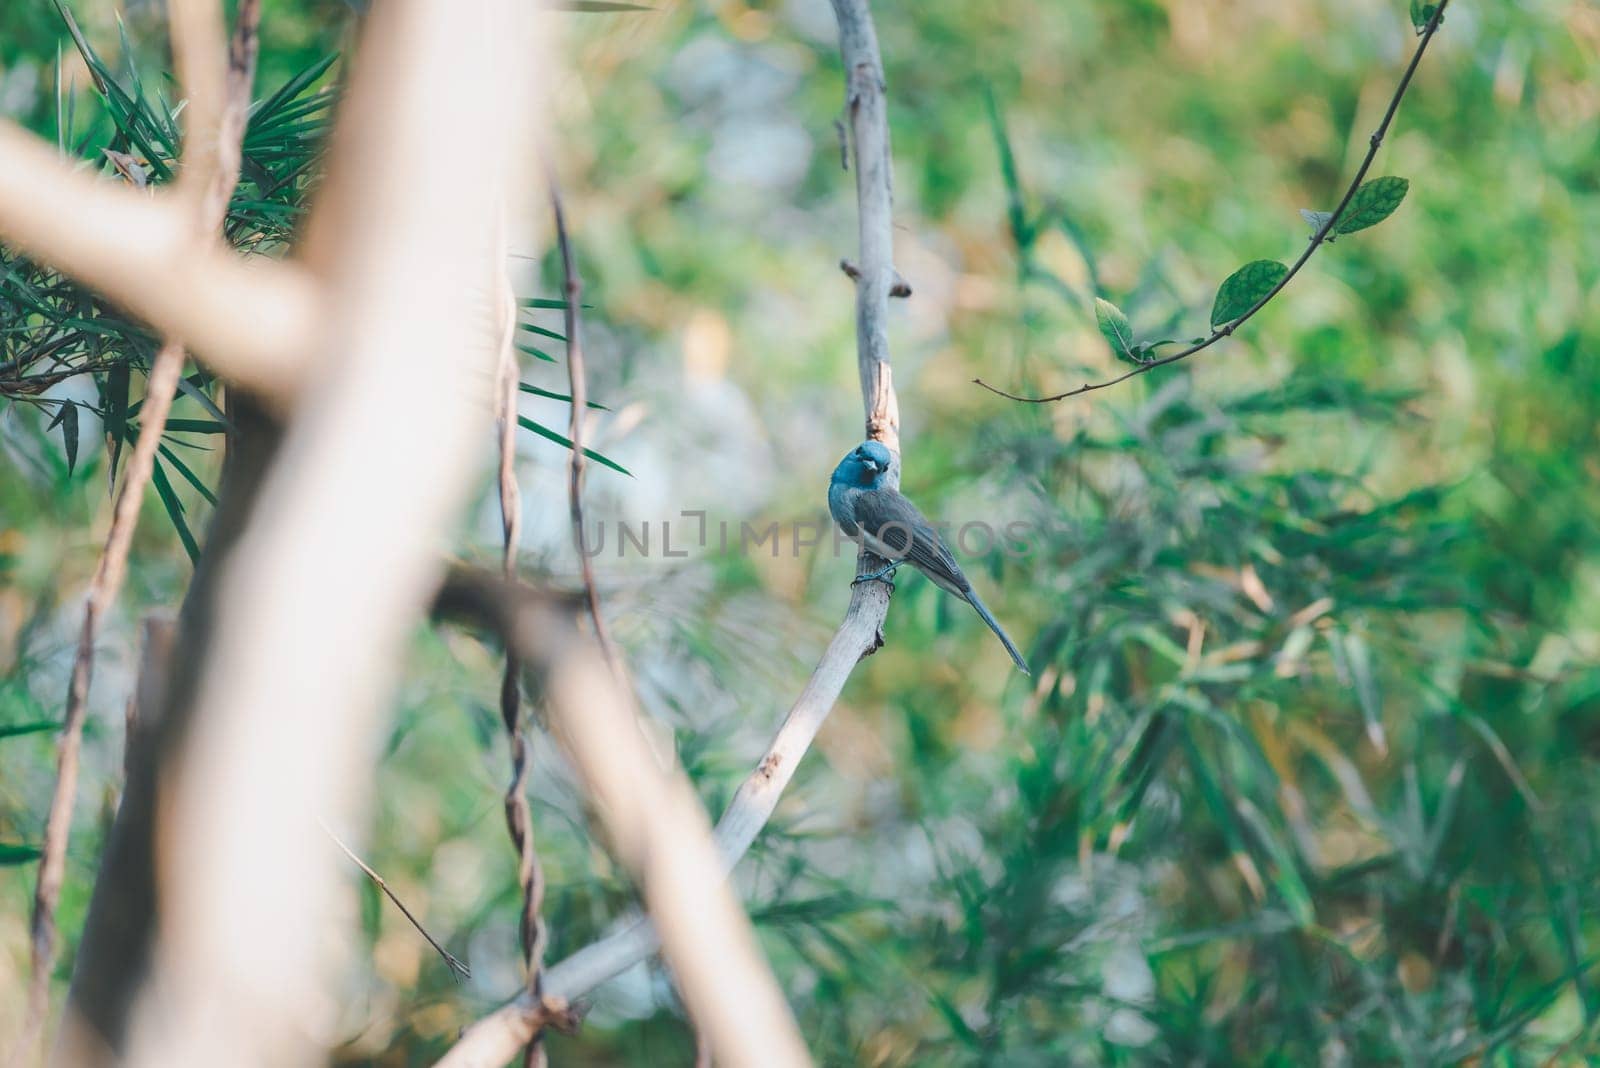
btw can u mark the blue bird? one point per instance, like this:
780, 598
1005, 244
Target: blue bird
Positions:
872, 513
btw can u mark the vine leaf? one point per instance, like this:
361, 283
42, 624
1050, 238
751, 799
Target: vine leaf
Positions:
1242, 289
1374, 202
1422, 14
1115, 328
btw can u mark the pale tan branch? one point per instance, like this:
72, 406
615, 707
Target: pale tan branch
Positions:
216, 114
200, 54
495, 1038
316, 600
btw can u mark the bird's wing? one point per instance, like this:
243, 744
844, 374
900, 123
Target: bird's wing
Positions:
892, 521
841, 507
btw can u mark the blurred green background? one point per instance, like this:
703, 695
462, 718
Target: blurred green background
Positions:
1307, 770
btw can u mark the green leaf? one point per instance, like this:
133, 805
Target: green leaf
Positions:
541, 331
114, 403
265, 110
174, 510
1244, 288
547, 302
13, 730
550, 435
537, 392
1115, 328
531, 351
1016, 211
1422, 14
188, 475
16, 853
195, 426
67, 419
1374, 202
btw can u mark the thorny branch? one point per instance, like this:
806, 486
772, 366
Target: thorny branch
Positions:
217, 121
1320, 237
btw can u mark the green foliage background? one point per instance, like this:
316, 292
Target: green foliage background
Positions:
1307, 770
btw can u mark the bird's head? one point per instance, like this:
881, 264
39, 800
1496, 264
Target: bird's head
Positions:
864, 465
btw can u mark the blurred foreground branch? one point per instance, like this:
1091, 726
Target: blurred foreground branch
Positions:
218, 79
250, 319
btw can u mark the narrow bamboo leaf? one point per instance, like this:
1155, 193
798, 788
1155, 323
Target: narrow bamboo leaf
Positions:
262, 114
1359, 659
531, 351
114, 402
13, 730
188, 475
541, 331
195, 426
1114, 327
547, 302
1244, 288
174, 510
1374, 202
1285, 872
1016, 210
537, 392
13, 853
550, 435
69, 435
67, 419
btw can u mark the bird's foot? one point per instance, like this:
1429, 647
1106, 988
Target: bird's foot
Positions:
885, 574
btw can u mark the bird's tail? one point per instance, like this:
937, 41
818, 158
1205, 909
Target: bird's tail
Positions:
972, 599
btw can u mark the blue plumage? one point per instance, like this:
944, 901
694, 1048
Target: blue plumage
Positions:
889, 525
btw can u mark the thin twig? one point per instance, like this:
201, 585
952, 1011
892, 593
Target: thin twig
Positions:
1317, 240
456, 964
519, 816
495, 1038
577, 463
216, 187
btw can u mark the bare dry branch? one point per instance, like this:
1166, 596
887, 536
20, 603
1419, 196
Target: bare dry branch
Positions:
250, 319
218, 112
495, 1038
315, 601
